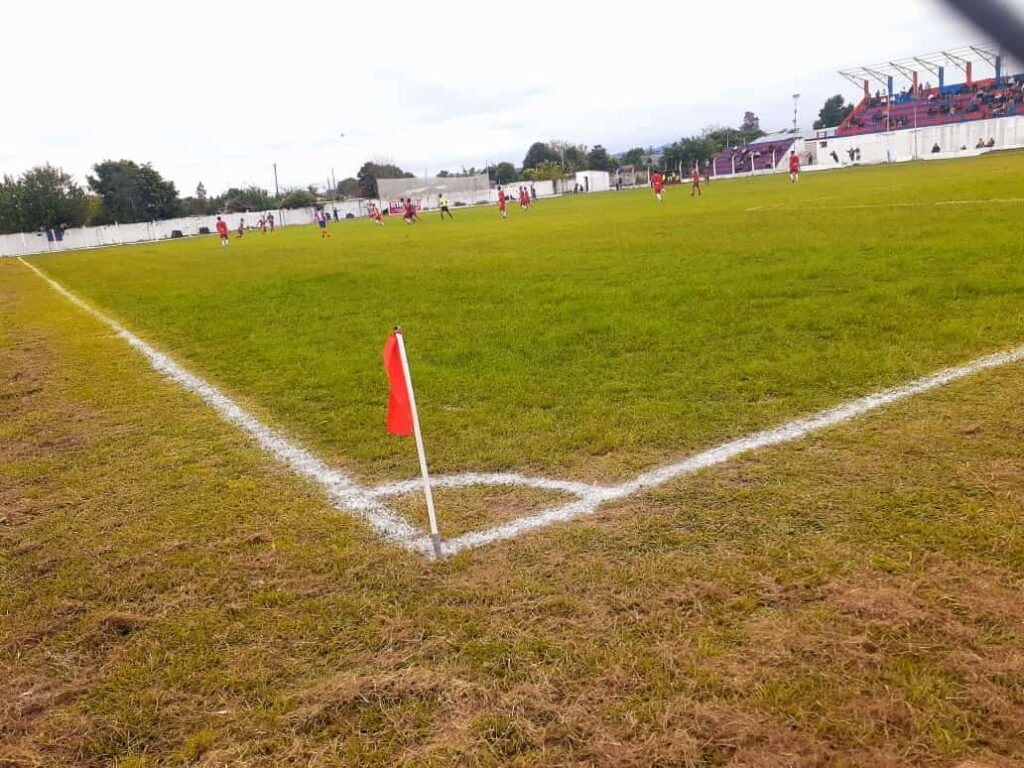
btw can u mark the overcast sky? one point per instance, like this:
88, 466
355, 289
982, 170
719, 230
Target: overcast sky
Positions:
218, 91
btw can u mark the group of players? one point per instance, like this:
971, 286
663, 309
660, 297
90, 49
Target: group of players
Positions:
411, 216
696, 190
524, 200
264, 223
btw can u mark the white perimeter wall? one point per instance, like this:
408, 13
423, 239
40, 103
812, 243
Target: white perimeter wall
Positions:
27, 243
917, 143
904, 146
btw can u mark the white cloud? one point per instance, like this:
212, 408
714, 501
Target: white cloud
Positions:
217, 92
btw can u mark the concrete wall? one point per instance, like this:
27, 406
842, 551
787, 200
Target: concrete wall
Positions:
917, 143
121, 234
26, 243
902, 146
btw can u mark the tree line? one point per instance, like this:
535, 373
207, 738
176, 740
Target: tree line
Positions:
125, 191
119, 191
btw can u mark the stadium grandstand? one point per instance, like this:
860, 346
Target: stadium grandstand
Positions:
920, 104
909, 110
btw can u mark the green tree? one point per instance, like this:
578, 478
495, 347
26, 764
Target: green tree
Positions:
751, 123
833, 112
133, 192
298, 198
349, 188
634, 157
572, 156
722, 137
546, 171
598, 159
10, 219
41, 198
250, 198
200, 204
687, 152
503, 173
371, 171
538, 153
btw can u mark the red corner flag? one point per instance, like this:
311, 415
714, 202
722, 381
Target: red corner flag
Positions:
399, 410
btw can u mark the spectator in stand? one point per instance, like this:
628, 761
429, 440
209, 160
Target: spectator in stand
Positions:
936, 149
991, 143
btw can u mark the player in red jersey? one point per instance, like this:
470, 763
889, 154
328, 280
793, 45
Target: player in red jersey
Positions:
502, 203
524, 199
794, 167
222, 230
376, 215
241, 228
658, 182
696, 183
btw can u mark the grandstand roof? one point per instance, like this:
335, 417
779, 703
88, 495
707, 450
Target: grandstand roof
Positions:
930, 62
778, 136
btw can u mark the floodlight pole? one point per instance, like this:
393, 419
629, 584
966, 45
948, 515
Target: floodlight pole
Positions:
277, 192
796, 101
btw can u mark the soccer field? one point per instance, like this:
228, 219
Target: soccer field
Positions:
852, 598
595, 336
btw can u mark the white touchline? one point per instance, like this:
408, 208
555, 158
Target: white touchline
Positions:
347, 495
341, 490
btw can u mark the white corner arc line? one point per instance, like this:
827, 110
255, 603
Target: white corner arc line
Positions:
341, 490
346, 495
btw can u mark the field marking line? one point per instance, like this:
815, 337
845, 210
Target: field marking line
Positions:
342, 491
860, 206
595, 496
346, 495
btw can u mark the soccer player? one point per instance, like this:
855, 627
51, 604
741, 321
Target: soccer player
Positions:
502, 203
658, 182
321, 221
407, 212
695, 190
262, 223
270, 221
794, 167
222, 230
524, 199
442, 202
376, 215
241, 228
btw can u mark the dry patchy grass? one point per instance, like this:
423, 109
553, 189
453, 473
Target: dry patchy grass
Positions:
169, 597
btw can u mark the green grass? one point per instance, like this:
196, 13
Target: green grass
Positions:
171, 596
595, 335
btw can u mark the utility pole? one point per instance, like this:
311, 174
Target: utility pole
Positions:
277, 192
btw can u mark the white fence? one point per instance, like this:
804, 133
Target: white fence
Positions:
26, 243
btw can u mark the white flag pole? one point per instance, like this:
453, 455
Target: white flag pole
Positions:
435, 536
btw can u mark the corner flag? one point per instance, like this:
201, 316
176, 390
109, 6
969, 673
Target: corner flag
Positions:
399, 409
403, 419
